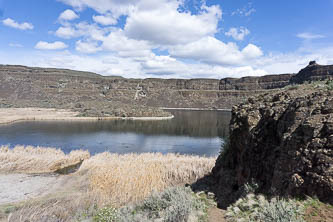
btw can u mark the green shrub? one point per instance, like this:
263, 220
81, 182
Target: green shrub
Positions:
280, 210
173, 205
292, 87
106, 214
248, 188
225, 150
258, 208
329, 85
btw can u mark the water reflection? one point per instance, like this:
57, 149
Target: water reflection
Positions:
190, 132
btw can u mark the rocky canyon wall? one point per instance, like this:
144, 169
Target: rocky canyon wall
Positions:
93, 94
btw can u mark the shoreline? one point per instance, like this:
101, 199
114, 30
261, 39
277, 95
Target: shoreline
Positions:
14, 115
196, 109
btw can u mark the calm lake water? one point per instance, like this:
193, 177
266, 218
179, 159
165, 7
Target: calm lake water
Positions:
190, 132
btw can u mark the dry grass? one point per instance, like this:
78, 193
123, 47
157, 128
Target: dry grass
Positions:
37, 159
132, 177
61, 207
103, 179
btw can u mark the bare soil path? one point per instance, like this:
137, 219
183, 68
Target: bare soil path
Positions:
215, 215
20, 187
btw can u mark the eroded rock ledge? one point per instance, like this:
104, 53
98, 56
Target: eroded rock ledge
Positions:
283, 141
94, 95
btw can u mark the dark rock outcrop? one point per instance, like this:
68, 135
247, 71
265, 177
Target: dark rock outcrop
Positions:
284, 142
313, 72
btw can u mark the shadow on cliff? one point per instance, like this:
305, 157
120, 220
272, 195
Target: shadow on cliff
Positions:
283, 141
226, 190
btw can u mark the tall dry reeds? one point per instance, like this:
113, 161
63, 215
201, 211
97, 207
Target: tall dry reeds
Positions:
132, 177
30, 159
103, 179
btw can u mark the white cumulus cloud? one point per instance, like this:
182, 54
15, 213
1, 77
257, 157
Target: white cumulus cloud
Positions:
66, 32
213, 51
50, 45
81, 29
105, 19
68, 15
252, 51
238, 34
116, 7
87, 46
159, 22
165, 25
22, 26
116, 41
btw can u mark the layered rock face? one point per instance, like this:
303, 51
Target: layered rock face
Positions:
256, 83
96, 95
313, 72
284, 142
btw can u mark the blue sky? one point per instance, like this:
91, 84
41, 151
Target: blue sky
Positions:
167, 38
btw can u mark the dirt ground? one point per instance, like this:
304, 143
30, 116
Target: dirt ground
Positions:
9, 115
20, 187
320, 213
216, 215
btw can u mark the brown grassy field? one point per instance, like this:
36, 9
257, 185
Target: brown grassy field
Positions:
131, 177
103, 179
37, 159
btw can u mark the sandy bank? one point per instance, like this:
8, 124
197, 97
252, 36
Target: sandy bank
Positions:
11, 115
196, 109
20, 187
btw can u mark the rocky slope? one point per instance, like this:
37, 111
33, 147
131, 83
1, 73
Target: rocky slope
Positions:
313, 72
283, 141
95, 95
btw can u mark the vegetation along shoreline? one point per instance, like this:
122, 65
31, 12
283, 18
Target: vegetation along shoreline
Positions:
280, 169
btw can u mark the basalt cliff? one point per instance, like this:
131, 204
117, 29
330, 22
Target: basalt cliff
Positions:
281, 140
95, 95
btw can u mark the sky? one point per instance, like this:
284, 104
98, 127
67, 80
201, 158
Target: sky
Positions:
167, 38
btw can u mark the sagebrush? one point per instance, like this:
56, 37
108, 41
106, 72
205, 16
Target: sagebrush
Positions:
175, 204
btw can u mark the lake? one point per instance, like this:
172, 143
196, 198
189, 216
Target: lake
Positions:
190, 132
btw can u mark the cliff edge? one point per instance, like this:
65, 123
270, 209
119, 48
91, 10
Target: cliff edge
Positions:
283, 141
313, 72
